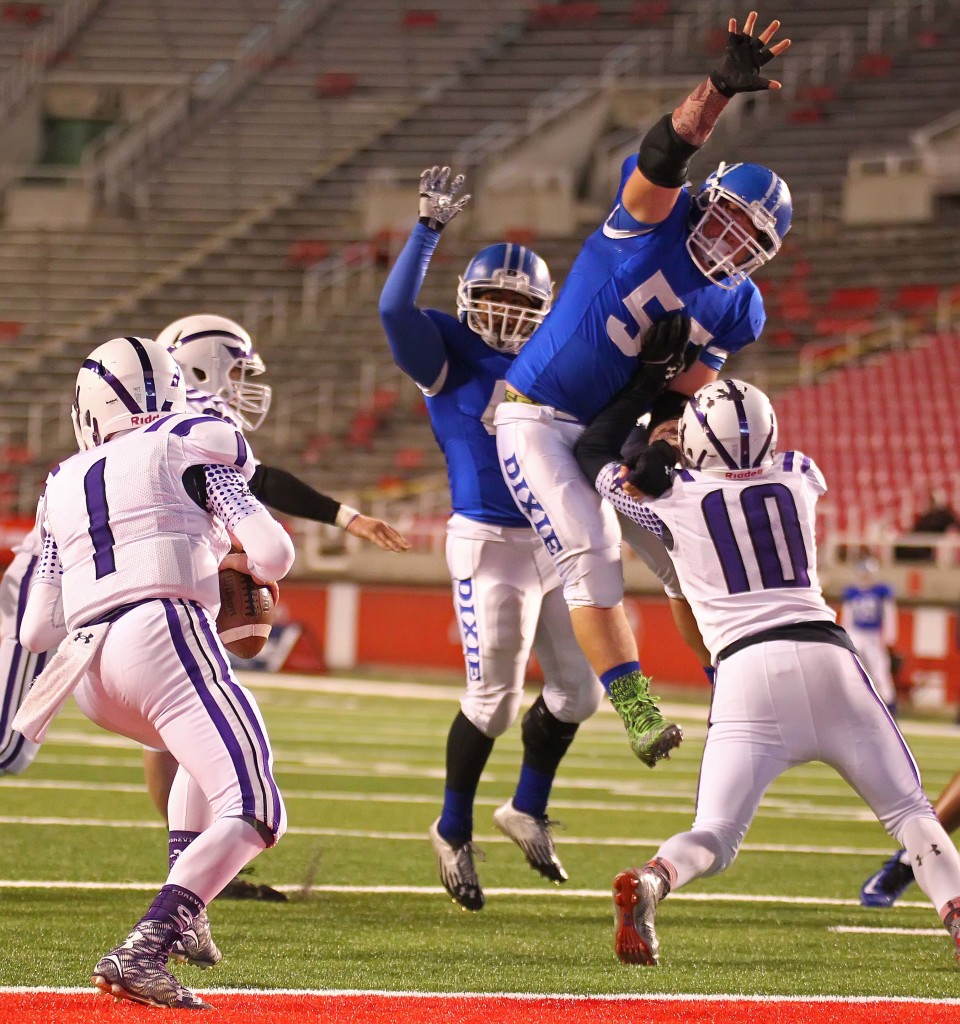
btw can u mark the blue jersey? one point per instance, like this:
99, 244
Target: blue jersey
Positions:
866, 605
626, 276
463, 382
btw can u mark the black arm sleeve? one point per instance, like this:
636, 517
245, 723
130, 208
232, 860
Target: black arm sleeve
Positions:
283, 492
601, 442
667, 406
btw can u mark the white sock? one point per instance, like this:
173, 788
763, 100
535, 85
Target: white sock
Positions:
936, 863
215, 857
188, 809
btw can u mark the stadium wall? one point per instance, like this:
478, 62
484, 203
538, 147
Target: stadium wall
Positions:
348, 626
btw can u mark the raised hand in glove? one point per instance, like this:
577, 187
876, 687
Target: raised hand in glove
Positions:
439, 202
666, 350
745, 55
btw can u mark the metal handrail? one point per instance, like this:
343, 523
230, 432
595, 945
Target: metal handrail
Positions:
41, 52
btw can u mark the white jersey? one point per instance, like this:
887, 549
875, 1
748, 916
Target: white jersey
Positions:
130, 523
744, 546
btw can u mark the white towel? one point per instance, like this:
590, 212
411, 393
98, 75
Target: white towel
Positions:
58, 680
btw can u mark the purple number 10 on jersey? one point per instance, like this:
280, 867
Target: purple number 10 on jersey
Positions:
777, 555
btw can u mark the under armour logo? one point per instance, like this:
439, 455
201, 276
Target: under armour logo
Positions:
936, 852
85, 637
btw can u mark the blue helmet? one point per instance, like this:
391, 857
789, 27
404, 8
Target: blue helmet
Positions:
719, 246
482, 301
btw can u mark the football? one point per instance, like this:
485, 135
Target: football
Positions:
246, 614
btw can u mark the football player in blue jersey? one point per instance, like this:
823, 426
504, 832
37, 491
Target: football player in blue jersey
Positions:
506, 592
662, 248
869, 614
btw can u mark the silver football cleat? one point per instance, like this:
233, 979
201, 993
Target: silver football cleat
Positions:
457, 871
533, 836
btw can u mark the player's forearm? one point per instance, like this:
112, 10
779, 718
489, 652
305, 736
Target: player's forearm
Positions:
286, 493
697, 115
42, 627
414, 339
265, 542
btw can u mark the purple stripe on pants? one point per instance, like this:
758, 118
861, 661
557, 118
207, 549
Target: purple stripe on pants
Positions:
195, 673
241, 699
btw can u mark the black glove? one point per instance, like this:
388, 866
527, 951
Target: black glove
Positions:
653, 471
739, 70
666, 350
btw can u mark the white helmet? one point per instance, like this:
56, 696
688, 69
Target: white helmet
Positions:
728, 426
217, 356
125, 383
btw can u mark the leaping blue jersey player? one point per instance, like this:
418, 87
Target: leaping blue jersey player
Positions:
506, 592
662, 248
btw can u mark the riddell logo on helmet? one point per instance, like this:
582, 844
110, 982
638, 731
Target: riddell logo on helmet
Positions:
139, 421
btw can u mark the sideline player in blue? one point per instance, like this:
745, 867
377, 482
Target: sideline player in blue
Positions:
506, 592
662, 248
868, 613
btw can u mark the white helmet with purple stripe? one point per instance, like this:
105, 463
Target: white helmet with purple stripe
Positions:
218, 358
125, 383
728, 426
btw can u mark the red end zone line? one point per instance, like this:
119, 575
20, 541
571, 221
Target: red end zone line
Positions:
71, 1007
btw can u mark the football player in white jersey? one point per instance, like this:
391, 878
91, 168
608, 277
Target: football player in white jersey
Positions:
219, 359
506, 592
219, 362
135, 528
662, 247
739, 522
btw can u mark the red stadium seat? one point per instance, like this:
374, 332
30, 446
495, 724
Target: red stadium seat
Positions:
811, 93
564, 14
408, 459
332, 84
384, 400
363, 426
808, 113
420, 19
858, 300
649, 12
305, 252
916, 297
10, 330
520, 236
827, 325
874, 65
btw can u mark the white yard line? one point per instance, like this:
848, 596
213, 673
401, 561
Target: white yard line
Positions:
863, 930
536, 997
428, 890
421, 837
680, 800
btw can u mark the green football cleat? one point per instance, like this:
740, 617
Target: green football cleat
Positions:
651, 736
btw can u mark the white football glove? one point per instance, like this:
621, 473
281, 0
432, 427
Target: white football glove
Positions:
438, 199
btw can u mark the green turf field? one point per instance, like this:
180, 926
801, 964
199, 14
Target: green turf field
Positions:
361, 766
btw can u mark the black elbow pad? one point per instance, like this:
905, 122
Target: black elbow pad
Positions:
664, 157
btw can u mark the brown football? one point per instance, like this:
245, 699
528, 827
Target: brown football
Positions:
246, 614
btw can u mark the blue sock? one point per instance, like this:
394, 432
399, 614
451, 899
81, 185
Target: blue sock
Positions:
711, 673
533, 792
456, 818
617, 672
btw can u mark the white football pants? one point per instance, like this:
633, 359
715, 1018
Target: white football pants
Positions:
780, 704
508, 602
